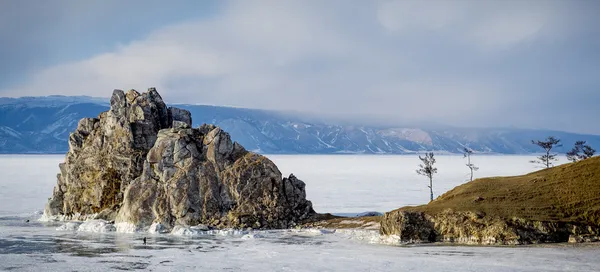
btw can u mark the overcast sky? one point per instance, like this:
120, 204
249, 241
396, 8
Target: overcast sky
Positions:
533, 64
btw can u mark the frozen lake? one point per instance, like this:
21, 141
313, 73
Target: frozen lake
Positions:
342, 184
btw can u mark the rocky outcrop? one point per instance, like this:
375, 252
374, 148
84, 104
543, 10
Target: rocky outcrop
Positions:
478, 229
558, 204
142, 163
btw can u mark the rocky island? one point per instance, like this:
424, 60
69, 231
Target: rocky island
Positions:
560, 204
141, 163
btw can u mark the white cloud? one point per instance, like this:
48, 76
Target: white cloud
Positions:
337, 58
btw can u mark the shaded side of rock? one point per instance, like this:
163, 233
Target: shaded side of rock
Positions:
180, 115
411, 227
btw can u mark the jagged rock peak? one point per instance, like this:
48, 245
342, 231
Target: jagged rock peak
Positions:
142, 163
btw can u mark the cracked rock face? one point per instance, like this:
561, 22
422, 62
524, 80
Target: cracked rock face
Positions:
141, 163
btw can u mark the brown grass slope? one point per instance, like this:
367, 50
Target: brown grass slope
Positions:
565, 193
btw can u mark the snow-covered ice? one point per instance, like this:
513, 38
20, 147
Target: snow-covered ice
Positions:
351, 184
98, 226
342, 184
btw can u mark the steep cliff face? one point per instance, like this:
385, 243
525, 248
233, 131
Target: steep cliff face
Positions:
142, 163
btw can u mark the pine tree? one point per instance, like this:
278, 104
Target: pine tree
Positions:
547, 145
426, 169
580, 151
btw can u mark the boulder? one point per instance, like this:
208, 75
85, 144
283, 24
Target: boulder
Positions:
142, 163
411, 227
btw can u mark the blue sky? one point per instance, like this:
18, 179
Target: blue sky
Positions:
464, 63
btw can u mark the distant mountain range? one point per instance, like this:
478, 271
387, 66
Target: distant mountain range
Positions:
43, 124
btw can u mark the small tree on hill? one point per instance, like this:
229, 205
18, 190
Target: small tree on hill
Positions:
547, 145
426, 169
467, 154
580, 151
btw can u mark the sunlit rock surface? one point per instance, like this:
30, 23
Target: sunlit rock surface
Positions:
141, 163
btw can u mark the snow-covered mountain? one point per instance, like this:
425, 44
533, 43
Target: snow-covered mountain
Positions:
42, 125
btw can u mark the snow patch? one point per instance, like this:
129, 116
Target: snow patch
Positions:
314, 231
230, 232
203, 230
157, 228
369, 236
252, 236
76, 216
10, 132
99, 226
409, 134
69, 226
392, 240
125, 227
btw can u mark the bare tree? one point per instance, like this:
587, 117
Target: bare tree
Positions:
580, 151
547, 145
467, 154
426, 169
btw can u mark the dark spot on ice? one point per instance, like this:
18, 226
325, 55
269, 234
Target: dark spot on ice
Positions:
131, 266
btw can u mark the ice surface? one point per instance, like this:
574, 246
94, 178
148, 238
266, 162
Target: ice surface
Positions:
202, 230
157, 228
100, 226
26, 182
337, 184
69, 226
124, 227
351, 184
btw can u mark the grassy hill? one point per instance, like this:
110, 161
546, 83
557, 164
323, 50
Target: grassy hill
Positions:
565, 193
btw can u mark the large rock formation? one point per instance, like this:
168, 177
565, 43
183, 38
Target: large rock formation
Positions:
141, 163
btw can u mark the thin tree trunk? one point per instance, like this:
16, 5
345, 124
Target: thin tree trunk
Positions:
431, 188
470, 167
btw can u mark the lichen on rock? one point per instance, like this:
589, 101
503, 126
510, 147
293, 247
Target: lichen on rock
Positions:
141, 163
